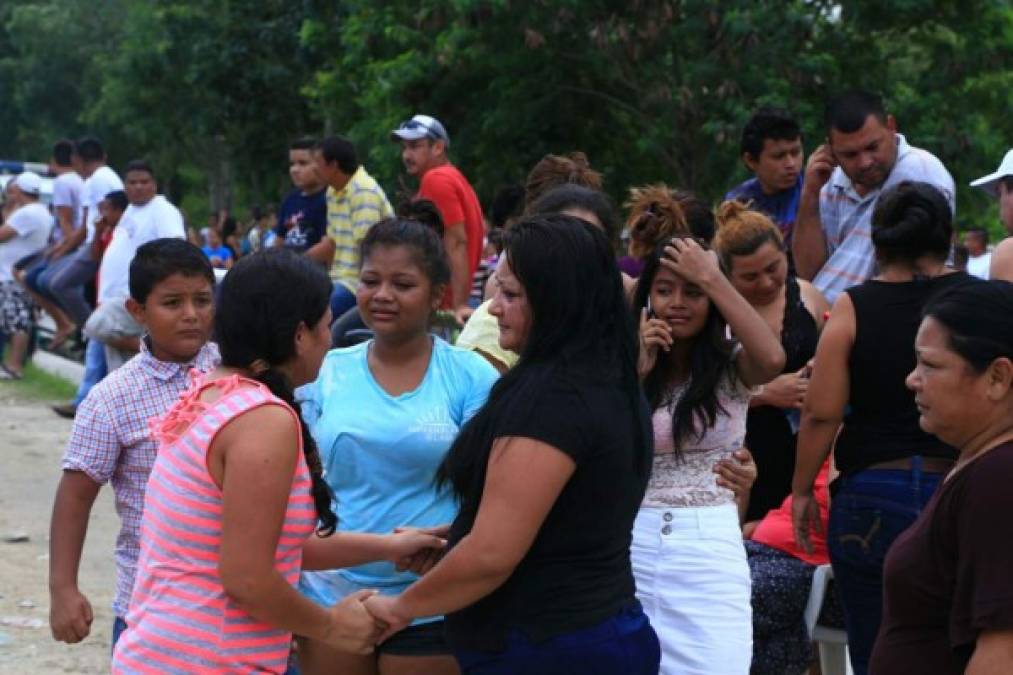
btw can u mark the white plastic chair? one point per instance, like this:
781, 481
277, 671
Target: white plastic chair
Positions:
832, 642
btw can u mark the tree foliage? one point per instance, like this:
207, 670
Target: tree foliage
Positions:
652, 90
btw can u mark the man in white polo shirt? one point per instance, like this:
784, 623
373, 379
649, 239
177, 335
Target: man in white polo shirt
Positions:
23, 234
150, 216
864, 155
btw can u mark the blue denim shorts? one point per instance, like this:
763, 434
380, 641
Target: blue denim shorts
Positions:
624, 644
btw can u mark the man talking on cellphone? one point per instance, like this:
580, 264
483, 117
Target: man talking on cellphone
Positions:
863, 156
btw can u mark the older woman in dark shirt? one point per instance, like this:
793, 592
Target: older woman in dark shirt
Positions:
948, 597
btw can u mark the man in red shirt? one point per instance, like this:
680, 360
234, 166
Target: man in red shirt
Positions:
424, 143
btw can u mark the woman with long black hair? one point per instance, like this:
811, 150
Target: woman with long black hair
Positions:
550, 473
688, 556
237, 504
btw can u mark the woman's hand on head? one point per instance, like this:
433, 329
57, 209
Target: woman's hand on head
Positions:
690, 261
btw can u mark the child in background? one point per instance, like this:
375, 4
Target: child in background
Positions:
171, 295
486, 266
220, 255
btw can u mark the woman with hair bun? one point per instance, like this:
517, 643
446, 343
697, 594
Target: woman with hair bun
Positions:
947, 584
554, 170
889, 466
751, 251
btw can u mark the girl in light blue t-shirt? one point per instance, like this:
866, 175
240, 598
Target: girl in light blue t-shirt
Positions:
384, 413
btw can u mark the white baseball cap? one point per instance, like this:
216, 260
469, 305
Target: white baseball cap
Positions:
420, 126
29, 182
990, 183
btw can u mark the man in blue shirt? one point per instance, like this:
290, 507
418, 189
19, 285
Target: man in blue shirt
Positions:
302, 218
772, 150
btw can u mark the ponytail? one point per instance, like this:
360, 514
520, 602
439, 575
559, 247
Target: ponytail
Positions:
322, 498
255, 326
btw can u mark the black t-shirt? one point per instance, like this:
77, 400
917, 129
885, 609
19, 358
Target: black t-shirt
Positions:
302, 219
947, 579
882, 424
577, 572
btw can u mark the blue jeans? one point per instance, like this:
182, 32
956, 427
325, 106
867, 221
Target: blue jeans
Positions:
119, 625
868, 510
342, 300
624, 644
34, 279
94, 369
65, 281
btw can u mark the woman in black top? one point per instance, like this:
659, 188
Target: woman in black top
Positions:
550, 473
889, 466
751, 251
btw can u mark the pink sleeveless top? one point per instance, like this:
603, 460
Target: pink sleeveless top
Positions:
180, 618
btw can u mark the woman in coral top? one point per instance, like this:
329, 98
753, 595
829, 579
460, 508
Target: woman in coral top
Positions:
236, 495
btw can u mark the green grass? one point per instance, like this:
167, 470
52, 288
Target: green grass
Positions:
38, 385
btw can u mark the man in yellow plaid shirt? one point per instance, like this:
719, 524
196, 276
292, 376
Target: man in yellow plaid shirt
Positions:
355, 201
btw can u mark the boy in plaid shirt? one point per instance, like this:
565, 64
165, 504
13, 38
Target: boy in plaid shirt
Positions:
171, 295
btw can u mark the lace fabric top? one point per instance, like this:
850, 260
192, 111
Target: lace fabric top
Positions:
689, 480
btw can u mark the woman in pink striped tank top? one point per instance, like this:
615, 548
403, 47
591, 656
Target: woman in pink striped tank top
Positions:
236, 494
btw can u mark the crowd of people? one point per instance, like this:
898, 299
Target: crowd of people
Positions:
629, 452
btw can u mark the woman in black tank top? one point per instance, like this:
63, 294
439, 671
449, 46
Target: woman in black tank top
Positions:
889, 466
752, 254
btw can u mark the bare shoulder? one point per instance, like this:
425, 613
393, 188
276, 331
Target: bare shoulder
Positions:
1001, 266
814, 302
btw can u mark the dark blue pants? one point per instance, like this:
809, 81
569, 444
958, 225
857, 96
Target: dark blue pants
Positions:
869, 509
342, 300
623, 645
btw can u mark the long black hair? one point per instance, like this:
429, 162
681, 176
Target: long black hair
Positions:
580, 331
710, 360
264, 298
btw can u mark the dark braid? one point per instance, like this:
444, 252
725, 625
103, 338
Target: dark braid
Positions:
264, 299
322, 497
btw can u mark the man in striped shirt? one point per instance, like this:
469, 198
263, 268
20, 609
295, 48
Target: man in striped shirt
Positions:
864, 156
355, 201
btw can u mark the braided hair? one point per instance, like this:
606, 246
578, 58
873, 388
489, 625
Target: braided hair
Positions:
264, 299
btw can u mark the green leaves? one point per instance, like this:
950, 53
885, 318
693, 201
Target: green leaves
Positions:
213, 90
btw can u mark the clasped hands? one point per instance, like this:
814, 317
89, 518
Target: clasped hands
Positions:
366, 618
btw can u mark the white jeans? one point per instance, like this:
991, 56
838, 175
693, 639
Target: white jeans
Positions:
693, 581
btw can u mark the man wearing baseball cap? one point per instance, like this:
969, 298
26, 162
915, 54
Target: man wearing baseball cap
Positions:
23, 235
999, 184
424, 143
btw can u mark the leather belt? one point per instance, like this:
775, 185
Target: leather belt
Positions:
929, 464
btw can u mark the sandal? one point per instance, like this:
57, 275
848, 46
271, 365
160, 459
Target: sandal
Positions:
8, 375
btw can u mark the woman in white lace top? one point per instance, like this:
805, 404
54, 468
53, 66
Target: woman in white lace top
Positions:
687, 551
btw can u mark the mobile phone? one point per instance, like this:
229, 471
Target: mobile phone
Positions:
650, 310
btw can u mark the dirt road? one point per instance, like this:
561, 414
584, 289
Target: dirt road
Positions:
32, 439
